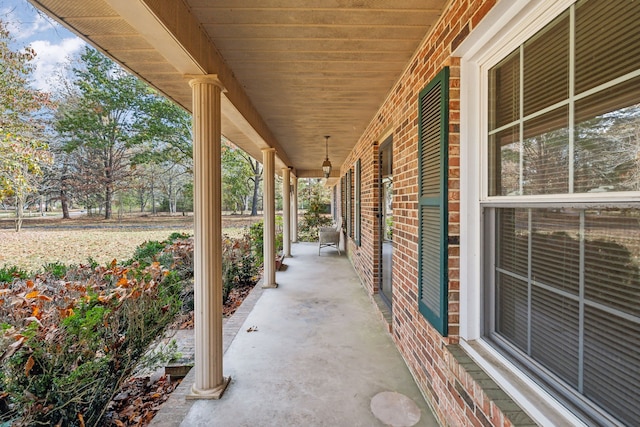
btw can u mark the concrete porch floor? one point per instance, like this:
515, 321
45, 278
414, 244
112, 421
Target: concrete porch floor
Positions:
320, 356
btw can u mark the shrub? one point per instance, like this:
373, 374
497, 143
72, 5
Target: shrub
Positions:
256, 233
239, 264
67, 345
312, 219
9, 274
146, 253
56, 269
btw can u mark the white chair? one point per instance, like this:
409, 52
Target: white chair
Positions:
330, 236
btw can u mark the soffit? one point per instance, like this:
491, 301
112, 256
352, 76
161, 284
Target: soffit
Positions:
296, 70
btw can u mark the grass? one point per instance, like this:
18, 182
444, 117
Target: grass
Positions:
31, 249
44, 243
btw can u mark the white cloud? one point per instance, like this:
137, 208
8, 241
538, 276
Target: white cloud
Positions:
24, 21
51, 59
39, 24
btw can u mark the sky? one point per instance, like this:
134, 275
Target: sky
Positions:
53, 43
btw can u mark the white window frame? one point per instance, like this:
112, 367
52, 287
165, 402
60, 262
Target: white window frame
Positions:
505, 28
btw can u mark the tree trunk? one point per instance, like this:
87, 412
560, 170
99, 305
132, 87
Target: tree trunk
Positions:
19, 213
256, 193
153, 198
65, 204
107, 202
109, 181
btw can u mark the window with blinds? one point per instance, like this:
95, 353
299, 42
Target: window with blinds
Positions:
432, 166
564, 272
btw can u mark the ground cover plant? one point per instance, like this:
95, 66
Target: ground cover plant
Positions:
71, 336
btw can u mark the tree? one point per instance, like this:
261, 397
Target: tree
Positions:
23, 150
168, 150
168, 138
109, 121
256, 168
241, 176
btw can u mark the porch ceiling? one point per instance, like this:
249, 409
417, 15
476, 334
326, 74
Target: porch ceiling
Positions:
293, 70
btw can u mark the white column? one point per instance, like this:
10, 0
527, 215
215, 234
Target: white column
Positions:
209, 381
294, 211
286, 212
269, 208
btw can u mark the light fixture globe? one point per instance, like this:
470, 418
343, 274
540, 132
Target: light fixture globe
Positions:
326, 165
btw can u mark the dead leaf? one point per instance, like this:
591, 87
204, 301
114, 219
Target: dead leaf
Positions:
253, 329
29, 365
33, 319
80, 419
12, 348
32, 294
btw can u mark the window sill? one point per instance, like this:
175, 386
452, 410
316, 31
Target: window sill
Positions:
492, 368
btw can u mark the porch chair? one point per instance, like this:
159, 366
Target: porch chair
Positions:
330, 236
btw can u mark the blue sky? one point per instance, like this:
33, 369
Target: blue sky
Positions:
54, 44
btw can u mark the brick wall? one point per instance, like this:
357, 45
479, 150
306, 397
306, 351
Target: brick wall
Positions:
457, 398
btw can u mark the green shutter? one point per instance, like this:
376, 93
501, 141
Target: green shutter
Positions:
349, 203
357, 196
343, 197
433, 148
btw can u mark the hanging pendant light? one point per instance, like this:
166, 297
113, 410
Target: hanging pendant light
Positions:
326, 165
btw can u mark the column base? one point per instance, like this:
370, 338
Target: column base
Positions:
271, 286
211, 394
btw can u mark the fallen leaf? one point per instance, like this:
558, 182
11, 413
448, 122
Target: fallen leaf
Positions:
33, 319
80, 419
12, 348
29, 365
32, 294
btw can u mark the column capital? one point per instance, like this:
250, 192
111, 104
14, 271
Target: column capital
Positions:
197, 79
266, 150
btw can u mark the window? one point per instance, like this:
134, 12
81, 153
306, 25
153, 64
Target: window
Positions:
562, 217
432, 166
358, 213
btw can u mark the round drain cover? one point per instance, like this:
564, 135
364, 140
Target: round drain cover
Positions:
395, 409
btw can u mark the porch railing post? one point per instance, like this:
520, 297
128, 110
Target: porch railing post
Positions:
286, 212
269, 236
294, 211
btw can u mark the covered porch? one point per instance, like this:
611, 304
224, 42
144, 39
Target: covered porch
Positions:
319, 356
